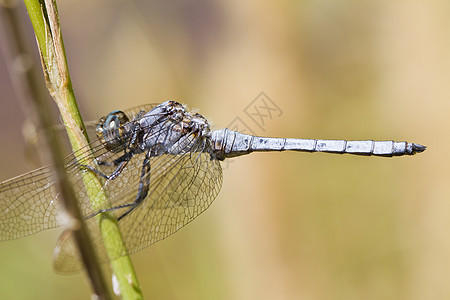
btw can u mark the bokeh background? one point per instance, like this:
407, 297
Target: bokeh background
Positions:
285, 225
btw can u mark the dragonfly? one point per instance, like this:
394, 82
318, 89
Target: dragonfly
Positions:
159, 166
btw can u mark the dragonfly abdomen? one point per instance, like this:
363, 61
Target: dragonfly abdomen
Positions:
227, 143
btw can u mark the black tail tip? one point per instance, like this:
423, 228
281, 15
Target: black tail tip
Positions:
417, 148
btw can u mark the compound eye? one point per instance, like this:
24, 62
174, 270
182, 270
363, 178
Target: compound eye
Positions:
112, 123
115, 119
111, 131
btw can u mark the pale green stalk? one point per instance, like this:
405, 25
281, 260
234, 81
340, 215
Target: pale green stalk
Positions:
44, 17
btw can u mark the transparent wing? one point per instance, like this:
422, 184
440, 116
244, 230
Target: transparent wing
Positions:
181, 187
28, 203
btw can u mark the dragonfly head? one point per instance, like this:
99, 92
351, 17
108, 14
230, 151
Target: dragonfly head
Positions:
112, 132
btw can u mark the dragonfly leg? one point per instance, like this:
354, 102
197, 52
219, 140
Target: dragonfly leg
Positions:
144, 185
121, 163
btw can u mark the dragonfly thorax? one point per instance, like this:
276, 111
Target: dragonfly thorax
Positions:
170, 128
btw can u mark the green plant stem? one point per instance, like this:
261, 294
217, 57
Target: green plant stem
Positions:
28, 90
44, 17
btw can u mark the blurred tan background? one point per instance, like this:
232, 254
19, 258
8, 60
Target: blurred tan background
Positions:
285, 225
